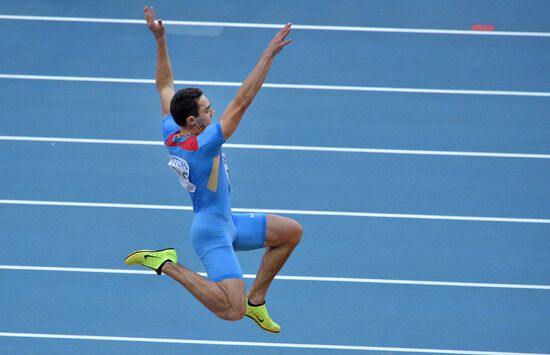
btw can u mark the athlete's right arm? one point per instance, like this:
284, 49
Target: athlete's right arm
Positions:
164, 76
231, 117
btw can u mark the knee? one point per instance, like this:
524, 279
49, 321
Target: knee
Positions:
231, 316
233, 313
295, 233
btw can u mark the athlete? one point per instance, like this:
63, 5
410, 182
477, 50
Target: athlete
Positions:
194, 145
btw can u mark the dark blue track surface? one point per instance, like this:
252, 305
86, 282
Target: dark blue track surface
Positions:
290, 117
422, 316
343, 182
375, 59
460, 14
311, 312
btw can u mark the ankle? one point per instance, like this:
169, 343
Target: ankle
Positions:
166, 266
256, 302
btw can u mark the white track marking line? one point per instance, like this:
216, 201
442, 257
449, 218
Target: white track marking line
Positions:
80, 140
281, 211
280, 86
254, 344
286, 147
290, 278
277, 26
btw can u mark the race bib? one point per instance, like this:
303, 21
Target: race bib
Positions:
181, 168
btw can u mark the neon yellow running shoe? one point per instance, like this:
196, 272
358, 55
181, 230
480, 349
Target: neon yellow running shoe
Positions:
261, 317
153, 259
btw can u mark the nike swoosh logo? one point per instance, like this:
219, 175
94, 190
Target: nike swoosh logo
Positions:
258, 318
150, 256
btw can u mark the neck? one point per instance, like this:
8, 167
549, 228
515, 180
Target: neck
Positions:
185, 132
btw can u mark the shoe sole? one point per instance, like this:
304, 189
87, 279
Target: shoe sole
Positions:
267, 330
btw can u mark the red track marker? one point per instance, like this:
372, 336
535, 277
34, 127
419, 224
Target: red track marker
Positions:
483, 27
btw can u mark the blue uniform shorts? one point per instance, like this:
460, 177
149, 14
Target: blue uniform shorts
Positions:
215, 240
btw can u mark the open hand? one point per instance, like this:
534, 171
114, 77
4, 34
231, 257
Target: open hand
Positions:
279, 41
156, 27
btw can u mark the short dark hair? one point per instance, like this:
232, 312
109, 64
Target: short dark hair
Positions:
184, 104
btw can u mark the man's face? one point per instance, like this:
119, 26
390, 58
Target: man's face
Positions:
206, 112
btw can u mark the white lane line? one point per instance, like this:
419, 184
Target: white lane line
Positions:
285, 147
81, 140
255, 344
279, 86
281, 211
290, 278
277, 26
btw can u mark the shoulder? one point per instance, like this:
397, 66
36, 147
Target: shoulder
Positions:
169, 126
211, 135
188, 143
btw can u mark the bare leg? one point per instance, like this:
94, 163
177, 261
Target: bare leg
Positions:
282, 236
224, 298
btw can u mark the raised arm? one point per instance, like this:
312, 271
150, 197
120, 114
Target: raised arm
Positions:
164, 76
232, 115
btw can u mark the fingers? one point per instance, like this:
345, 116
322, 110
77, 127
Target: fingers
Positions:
149, 15
146, 12
150, 18
280, 41
284, 33
285, 30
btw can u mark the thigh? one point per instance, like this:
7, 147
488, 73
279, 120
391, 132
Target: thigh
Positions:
221, 264
251, 230
213, 244
281, 230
